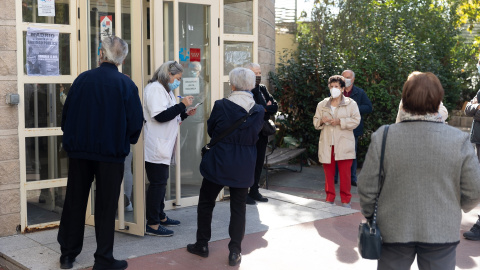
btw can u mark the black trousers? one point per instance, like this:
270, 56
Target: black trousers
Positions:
261, 150
155, 203
208, 193
81, 173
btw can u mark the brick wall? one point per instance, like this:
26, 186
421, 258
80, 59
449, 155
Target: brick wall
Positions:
9, 151
266, 38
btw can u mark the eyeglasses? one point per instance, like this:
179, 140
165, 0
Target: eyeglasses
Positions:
172, 65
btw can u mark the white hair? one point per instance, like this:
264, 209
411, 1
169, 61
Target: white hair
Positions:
242, 79
252, 66
115, 50
353, 73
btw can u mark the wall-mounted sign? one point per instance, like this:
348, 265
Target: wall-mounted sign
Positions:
46, 7
184, 55
42, 52
106, 26
191, 86
195, 55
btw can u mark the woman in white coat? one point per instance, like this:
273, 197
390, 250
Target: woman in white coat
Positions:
337, 116
162, 120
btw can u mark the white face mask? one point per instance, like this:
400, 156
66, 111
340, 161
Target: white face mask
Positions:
348, 82
335, 92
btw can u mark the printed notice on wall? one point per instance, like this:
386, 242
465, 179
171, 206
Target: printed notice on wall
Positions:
46, 7
191, 86
42, 52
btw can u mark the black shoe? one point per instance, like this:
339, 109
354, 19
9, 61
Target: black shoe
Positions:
66, 262
234, 258
354, 184
474, 233
116, 265
258, 197
250, 200
201, 251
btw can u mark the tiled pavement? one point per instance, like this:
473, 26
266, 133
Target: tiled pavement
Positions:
288, 232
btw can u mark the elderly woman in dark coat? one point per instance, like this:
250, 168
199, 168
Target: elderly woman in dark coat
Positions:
231, 162
431, 174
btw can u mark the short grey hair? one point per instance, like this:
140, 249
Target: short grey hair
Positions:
252, 65
162, 74
242, 79
114, 49
353, 73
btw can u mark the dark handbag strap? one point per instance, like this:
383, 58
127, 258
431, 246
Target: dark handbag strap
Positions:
381, 178
230, 129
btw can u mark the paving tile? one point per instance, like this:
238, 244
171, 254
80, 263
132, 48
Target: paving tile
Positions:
16, 242
281, 211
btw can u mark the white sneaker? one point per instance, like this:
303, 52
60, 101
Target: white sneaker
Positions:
347, 205
129, 208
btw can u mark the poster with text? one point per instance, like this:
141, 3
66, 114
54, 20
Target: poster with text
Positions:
46, 8
42, 52
191, 86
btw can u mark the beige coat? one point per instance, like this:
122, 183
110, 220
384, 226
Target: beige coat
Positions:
340, 136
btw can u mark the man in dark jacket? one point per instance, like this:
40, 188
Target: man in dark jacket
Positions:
101, 117
364, 105
265, 99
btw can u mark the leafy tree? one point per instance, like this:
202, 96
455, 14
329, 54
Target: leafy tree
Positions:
383, 42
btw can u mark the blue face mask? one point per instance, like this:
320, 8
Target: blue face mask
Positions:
174, 85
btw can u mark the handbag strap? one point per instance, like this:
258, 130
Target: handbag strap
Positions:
230, 129
381, 178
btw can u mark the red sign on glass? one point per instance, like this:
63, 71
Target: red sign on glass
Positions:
194, 55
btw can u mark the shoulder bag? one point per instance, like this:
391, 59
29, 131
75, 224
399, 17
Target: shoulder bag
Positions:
209, 145
369, 237
268, 128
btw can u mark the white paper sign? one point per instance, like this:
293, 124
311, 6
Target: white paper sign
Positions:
46, 8
42, 52
191, 86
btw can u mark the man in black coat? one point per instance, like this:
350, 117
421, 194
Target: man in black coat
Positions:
101, 117
364, 105
266, 100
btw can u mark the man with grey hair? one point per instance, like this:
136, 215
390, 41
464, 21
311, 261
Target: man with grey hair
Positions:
265, 99
101, 117
365, 106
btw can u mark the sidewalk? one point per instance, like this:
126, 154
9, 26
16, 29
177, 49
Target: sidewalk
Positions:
294, 230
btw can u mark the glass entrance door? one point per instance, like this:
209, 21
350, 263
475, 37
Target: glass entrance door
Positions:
122, 18
190, 32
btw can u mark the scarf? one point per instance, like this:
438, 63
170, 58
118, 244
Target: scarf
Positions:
431, 117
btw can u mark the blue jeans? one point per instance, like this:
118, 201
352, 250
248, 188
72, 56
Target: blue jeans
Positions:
354, 165
157, 175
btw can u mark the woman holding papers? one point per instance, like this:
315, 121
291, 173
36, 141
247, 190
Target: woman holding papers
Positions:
162, 119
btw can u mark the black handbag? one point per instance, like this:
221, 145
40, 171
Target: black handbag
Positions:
268, 128
209, 145
369, 237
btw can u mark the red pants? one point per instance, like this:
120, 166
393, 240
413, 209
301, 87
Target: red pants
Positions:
344, 171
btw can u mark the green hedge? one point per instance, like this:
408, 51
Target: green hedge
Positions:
383, 42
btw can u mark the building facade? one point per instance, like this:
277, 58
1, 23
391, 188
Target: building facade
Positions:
44, 46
